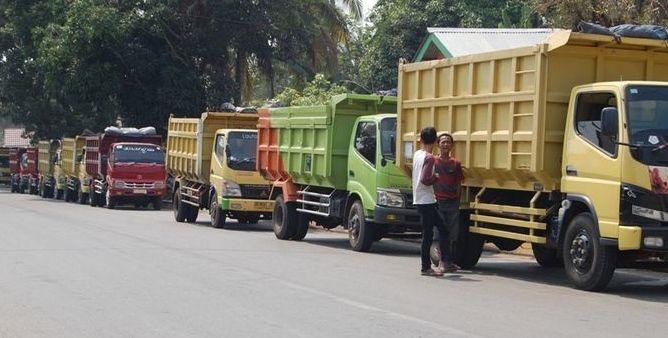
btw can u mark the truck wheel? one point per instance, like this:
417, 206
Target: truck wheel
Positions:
360, 233
283, 213
59, 194
302, 227
217, 214
110, 200
468, 251
157, 203
93, 198
588, 264
179, 208
546, 257
82, 197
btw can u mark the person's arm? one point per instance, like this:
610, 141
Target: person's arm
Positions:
427, 176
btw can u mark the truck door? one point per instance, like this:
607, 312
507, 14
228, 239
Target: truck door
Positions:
591, 165
362, 162
218, 163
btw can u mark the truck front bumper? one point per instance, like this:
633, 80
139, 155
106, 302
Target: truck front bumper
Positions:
643, 238
248, 205
137, 192
396, 216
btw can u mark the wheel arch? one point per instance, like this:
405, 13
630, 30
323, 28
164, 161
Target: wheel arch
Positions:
578, 205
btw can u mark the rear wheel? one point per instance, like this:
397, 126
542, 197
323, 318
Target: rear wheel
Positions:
361, 233
302, 227
283, 213
59, 194
588, 264
178, 207
547, 257
191, 214
82, 197
217, 214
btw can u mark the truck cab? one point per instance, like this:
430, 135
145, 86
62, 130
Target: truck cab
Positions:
135, 175
240, 192
374, 180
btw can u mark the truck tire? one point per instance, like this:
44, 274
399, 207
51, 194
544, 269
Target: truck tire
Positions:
191, 213
157, 203
282, 214
217, 214
179, 208
93, 198
302, 227
109, 200
361, 233
59, 194
82, 197
468, 251
546, 257
589, 265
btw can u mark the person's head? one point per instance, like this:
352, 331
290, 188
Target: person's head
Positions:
445, 143
428, 138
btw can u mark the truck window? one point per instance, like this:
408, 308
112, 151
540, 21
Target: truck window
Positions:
220, 148
365, 140
588, 119
647, 116
138, 153
388, 138
240, 150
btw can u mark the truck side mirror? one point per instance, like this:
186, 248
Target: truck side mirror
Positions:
609, 122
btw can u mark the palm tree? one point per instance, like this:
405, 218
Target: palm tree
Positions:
354, 7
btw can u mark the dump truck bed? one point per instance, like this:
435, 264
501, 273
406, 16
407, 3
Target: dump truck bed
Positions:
46, 156
190, 142
507, 109
71, 147
310, 144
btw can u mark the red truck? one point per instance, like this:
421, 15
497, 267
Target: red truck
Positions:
126, 166
15, 168
28, 171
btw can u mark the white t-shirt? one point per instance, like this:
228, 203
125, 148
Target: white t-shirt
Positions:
422, 194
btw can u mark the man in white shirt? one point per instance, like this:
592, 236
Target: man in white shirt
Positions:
423, 178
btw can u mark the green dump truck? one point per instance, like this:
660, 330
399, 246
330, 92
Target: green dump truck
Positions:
334, 165
557, 151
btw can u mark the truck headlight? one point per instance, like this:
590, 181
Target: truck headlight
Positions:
159, 184
231, 189
119, 184
392, 199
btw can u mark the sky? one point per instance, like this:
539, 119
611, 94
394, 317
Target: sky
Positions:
367, 5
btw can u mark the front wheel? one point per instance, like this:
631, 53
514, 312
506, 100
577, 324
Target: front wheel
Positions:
588, 264
360, 232
217, 214
157, 203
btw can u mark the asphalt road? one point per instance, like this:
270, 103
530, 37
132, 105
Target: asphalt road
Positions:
68, 270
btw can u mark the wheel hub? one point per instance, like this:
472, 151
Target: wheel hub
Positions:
355, 226
580, 251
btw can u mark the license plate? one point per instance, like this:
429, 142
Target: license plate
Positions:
139, 191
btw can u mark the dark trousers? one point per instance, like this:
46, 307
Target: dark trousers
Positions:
431, 219
449, 211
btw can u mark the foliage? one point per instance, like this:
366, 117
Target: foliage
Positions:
567, 13
317, 92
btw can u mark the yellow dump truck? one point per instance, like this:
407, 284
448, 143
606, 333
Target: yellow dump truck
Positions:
213, 161
47, 160
67, 169
564, 145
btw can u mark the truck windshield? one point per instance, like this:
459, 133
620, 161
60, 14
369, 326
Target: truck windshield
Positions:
388, 137
240, 150
647, 109
138, 153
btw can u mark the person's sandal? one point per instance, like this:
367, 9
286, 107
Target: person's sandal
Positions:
431, 272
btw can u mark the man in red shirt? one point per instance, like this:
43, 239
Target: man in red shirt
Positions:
447, 187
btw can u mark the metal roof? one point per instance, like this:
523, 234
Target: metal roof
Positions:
454, 42
14, 138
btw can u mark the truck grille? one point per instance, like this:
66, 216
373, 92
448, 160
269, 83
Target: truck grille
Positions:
255, 191
133, 185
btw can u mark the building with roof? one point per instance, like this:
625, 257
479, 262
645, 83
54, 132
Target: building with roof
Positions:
443, 43
14, 137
